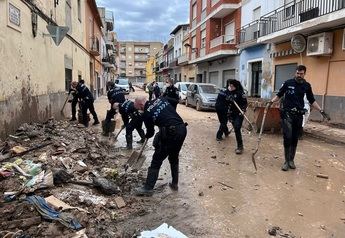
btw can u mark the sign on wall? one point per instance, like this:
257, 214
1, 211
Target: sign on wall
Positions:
14, 17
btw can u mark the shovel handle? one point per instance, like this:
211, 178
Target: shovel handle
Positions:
63, 107
143, 147
117, 135
244, 115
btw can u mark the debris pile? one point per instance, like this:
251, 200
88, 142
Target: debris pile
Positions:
58, 179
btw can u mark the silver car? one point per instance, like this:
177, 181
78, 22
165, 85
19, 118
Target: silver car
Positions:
202, 96
182, 89
123, 83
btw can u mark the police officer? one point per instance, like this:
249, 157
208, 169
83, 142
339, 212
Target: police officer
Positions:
86, 102
222, 107
293, 91
115, 95
150, 88
156, 90
74, 100
167, 142
132, 119
171, 93
237, 96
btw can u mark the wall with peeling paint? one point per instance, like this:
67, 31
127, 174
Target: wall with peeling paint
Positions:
32, 79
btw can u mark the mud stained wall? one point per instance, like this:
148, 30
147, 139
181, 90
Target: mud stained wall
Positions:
32, 78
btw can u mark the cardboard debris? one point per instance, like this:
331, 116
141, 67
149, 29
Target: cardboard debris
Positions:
58, 204
18, 149
163, 231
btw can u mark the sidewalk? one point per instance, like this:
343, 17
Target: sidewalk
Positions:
325, 132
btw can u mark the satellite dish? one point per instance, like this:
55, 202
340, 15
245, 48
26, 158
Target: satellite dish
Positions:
57, 33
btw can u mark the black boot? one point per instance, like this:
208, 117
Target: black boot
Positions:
96, 121
292, 157
174, 174
285, 166
147, 190
129, 140
142, 136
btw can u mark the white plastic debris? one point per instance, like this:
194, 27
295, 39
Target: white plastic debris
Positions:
163, 231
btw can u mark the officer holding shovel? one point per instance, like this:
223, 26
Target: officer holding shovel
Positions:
293, 91
167, 142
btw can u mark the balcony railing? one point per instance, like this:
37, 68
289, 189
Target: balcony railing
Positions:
94, 46
250, 32
173, 63
225, 39
182, 59
143, 59
296, 12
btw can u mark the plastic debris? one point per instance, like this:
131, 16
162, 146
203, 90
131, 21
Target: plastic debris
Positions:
163, 230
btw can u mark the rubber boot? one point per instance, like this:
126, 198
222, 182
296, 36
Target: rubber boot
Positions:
174, 174
96, 121
239, 149
142, 136
147, 190
129, 140
292, 157
285, 166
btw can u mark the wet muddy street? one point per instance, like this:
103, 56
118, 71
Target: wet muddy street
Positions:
221, 195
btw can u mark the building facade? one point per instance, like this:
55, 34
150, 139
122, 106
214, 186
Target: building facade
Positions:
34, 89
213, 40
133, 58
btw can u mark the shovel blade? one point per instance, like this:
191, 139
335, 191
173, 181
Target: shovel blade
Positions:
133, 158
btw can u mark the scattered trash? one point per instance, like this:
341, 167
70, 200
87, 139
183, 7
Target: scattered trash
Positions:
163, 230
60, 205
300, 214
228, 186
273, 231
18, 149
324, 176
120, 203
213, 157
50, 214
201, 194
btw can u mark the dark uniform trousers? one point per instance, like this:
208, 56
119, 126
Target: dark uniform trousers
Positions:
223, 120
168, 143
74, 106
292, 125
85, 105
110, 114
237, 121
136, 123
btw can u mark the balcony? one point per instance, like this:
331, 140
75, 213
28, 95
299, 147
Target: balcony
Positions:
304, 16
109, 62
222, 8
109, 20
249, 34
141, 50
140, 66
141, 59
94, 46
182, 60
222, 40
173, 63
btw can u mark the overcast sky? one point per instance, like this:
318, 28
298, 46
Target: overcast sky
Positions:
147, 20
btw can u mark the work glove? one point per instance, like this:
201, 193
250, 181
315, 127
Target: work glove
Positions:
325, 115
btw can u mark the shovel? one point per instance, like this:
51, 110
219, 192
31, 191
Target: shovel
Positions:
241, 111
64, 105
259, 138
134, 160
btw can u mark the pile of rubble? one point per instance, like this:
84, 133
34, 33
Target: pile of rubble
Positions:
58, 179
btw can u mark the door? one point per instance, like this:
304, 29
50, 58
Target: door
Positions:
283, 72
228, 75
199, 78
68, 79
256, 79
230, 33
214, 78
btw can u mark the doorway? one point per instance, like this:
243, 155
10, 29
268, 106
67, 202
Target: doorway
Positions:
68, 79
256, 77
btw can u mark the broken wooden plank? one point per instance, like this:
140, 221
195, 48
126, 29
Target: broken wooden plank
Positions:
228, 186
324, 176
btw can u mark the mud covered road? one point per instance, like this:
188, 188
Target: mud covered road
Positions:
297, 203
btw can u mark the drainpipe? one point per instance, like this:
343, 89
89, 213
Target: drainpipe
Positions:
326, 86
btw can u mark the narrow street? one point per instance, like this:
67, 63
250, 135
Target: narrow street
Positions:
298, 202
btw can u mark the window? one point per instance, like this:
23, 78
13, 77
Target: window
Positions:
204, 4
282, 73
203, 39
129, 48
79, 10
289, 8
194, 42
230, 33
68, 14
194, 11
256, 13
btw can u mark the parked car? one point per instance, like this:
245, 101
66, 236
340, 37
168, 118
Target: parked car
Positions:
182, 88
122, 83
202, 96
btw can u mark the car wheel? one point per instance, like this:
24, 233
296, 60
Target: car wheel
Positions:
198, 106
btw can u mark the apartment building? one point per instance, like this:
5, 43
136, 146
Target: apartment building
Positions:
133, 58
109, 49
34, 87
309, 32
213, 40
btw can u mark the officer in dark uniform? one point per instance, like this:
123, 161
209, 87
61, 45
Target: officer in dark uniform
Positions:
156, 90
167, 142
293, 91
171, 93
73, 101
236, 117
115, 95
128, 112
86, 102
222, 108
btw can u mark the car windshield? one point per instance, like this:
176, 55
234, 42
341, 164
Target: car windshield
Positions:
208, 89
184, 86
122, 81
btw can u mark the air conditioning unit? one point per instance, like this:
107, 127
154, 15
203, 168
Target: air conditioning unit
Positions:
344, 40
320, 44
